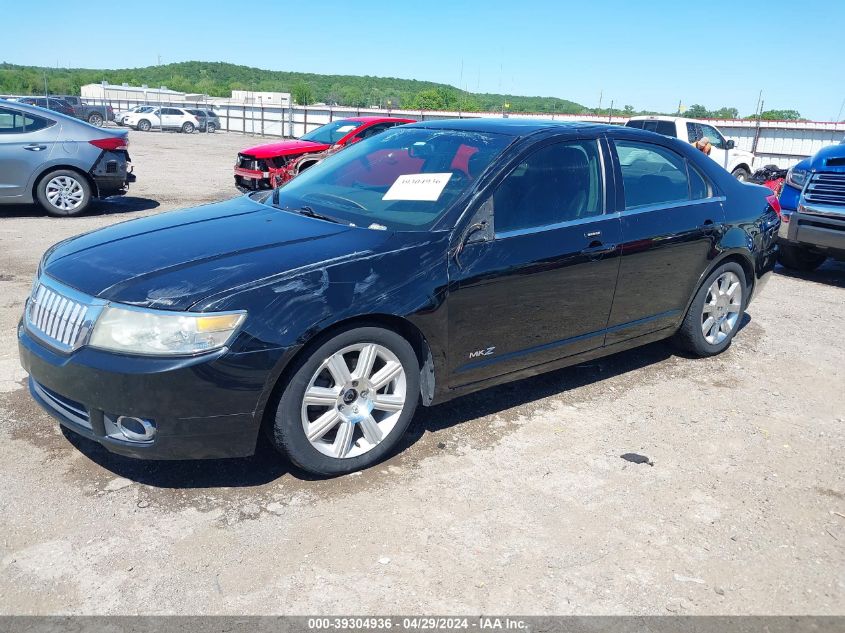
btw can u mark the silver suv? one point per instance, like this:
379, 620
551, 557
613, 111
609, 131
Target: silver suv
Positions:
59, 161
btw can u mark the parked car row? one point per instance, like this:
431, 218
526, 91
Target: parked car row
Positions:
96, 115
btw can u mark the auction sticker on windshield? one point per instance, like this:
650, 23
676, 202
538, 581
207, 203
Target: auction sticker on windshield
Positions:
424, 187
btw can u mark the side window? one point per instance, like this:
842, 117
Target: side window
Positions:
651, 174
698, 185
13, 122
693, 132
716, 139
558, 183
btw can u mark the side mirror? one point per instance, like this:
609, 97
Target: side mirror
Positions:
730, 144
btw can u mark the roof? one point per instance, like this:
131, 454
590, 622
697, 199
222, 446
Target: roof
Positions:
662, 117
375, 119
511, 126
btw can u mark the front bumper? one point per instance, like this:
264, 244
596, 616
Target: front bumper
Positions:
202, 407
821, 228
247, 180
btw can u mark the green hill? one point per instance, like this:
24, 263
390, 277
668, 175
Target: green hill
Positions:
219, 79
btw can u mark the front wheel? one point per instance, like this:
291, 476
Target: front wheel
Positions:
211, 128
188, 127
798, 258
348, 402
741, 174
63, 193
715, 313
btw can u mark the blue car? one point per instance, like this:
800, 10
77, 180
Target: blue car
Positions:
813, 210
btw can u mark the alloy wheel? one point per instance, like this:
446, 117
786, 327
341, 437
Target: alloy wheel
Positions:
722, 307
354, 400
65, 193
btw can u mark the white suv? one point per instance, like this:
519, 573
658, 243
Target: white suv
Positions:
166, 118
737, 161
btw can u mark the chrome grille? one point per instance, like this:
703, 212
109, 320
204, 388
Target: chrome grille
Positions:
826, 188
60, 316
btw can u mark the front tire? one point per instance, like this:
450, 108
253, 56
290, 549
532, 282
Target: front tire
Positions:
188, 127
211, 128
741, 174
63, 193
348, 402
716, 312
797, 258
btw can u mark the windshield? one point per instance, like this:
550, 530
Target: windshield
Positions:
402, 179
331, 133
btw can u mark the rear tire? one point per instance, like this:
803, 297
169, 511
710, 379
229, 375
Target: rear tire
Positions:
143, 126
348, 402
63, 193
798, 258
716, 312
741, 174
95, 118
188, 127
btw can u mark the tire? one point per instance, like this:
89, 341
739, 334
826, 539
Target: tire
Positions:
143, 126
741, 174
798, 258
95, 118
63, 193
211, 128
348, 412
726, 310
188, 127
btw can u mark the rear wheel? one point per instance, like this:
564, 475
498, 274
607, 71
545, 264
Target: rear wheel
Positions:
188, 127
798, 258
143, 125
348, 402
715, 313
741, 174
95, 118
63, 193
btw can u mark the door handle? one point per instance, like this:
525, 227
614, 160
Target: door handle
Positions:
708, 226
34, 147
597, 248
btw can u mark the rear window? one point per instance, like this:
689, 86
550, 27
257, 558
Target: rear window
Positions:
666, 128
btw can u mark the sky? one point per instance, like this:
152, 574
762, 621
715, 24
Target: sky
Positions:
650, 54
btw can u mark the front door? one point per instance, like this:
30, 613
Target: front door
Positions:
541, 287
719, 151
672, 220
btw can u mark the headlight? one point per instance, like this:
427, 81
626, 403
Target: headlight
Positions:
162, 333
797, 177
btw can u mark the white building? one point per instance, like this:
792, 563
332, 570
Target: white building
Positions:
250, 97
138, 94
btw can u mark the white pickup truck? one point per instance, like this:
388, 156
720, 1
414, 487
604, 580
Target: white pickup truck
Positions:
736, 161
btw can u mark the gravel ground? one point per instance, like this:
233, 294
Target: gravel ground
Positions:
513, 500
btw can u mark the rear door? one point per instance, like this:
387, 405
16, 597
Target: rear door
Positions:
541, 288
26, 142
672, 219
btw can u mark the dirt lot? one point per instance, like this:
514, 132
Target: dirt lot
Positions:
512, 500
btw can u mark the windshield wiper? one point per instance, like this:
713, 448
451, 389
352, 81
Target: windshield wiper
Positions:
313, 214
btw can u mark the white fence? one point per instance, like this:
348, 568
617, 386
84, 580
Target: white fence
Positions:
782, 143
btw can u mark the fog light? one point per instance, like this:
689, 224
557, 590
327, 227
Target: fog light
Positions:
136, 429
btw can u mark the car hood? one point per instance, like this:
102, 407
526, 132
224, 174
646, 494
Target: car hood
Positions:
284, 148
173, 260
830, 158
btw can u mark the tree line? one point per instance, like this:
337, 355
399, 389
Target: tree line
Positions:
218, 79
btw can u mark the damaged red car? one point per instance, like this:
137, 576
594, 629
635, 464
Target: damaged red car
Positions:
271, 165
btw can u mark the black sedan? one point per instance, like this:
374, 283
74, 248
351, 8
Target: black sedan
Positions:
427, 262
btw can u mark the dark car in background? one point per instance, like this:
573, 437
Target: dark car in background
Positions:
49, 103
426, 262
813, 204
208, 120
58, 161
95, 113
